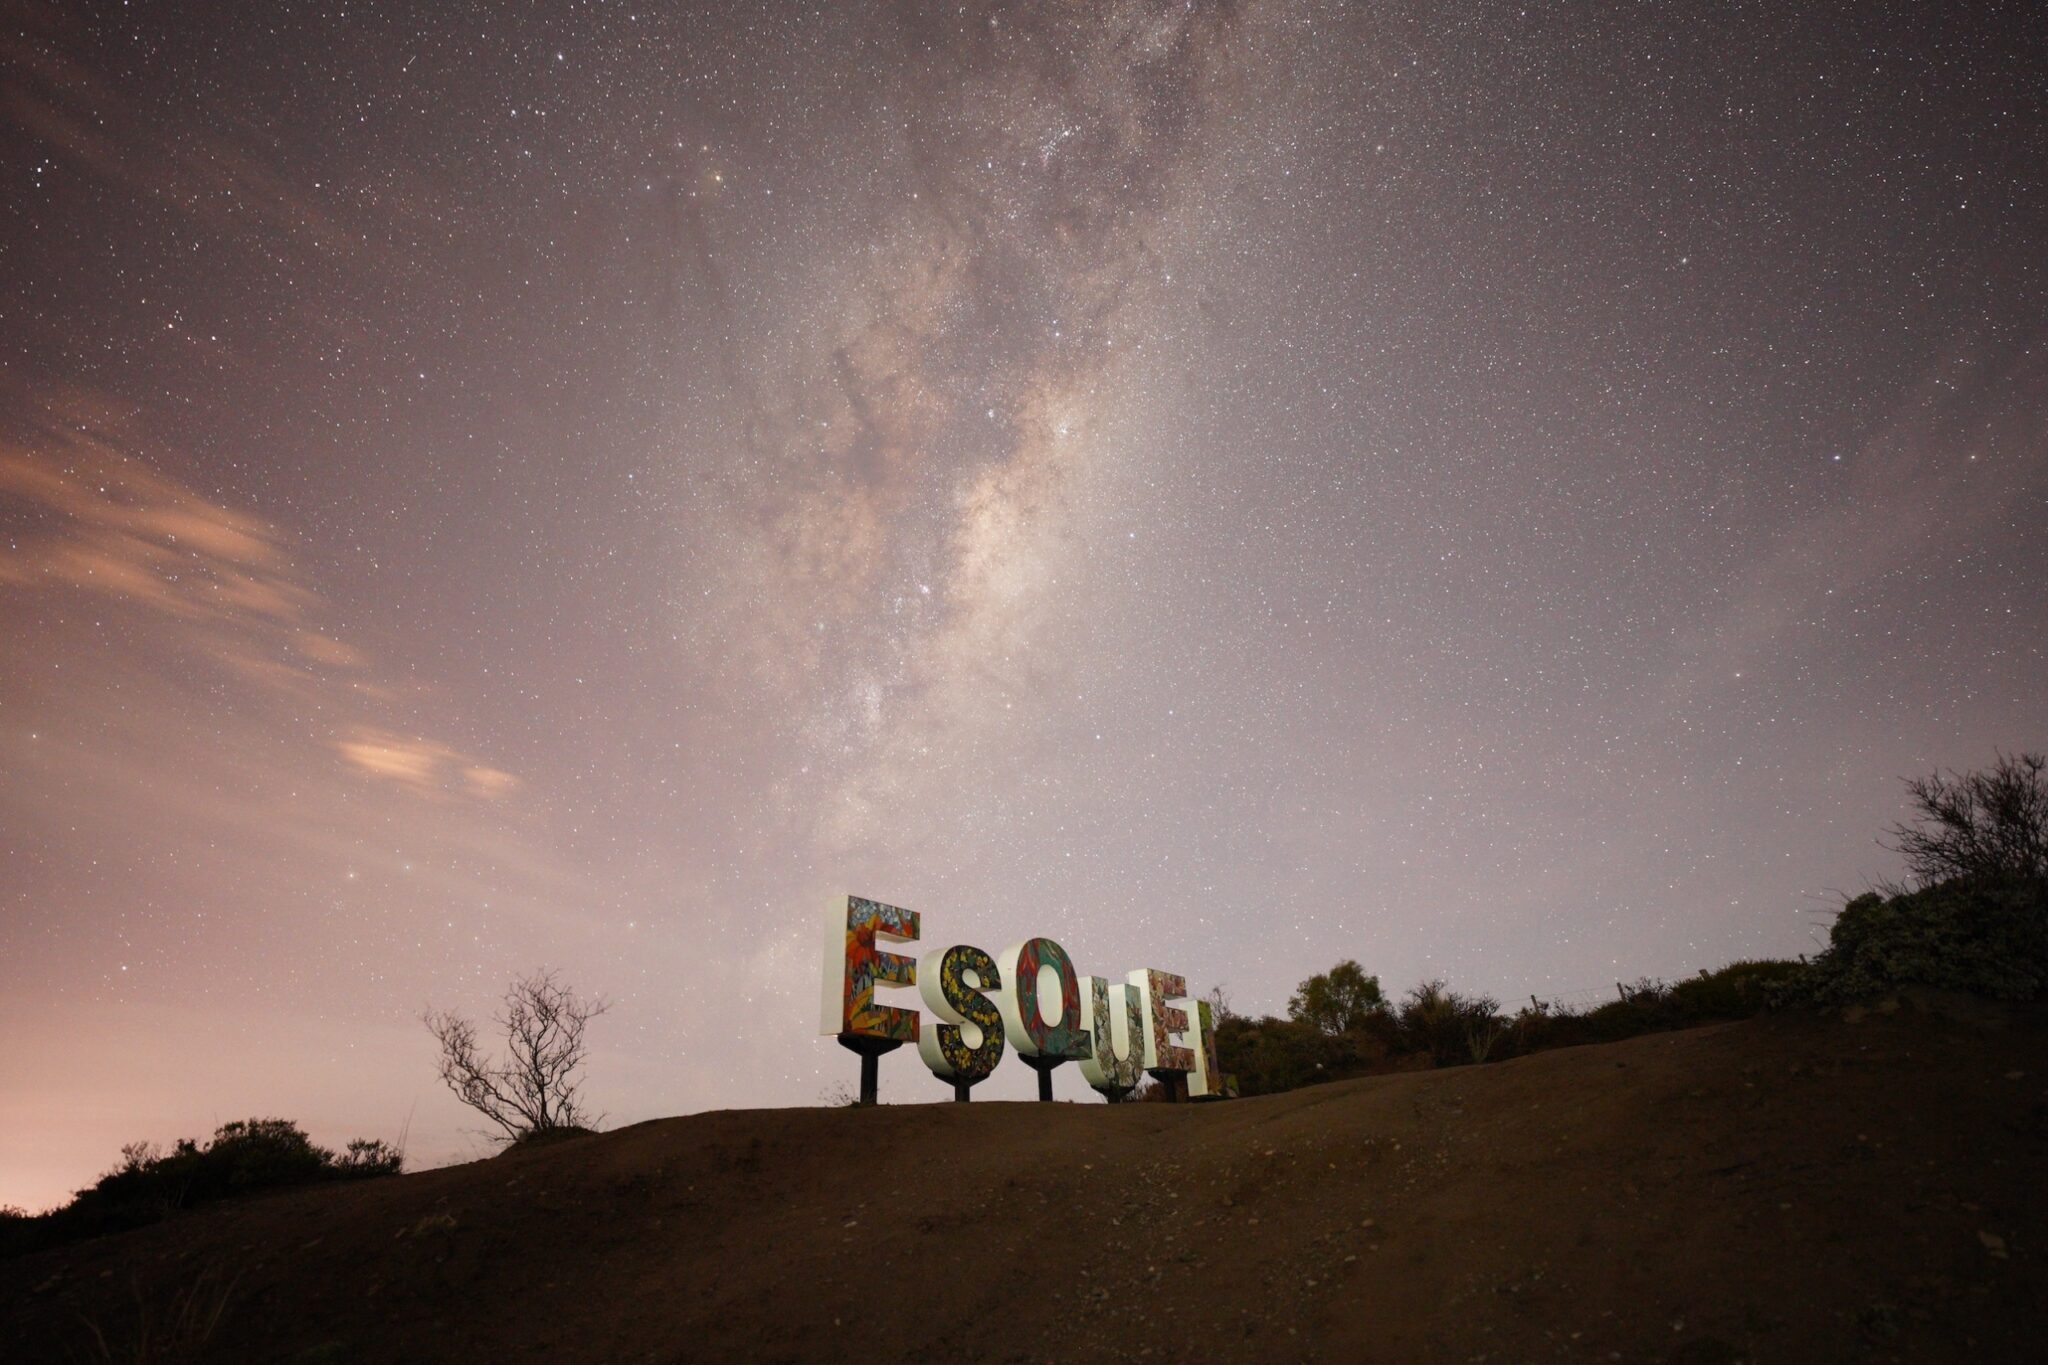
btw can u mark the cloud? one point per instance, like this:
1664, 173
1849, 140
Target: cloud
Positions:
330, 652
112, 526
96, 520
423, 765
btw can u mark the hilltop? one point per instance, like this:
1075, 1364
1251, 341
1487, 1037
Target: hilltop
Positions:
1794, 1187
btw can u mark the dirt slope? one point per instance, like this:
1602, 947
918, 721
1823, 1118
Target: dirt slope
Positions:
1789, 1189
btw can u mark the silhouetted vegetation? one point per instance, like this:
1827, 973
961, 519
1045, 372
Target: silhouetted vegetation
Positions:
1434, 1026
534, 1091
1338, 1000
1973, 918
249, 1156
1980, 826
1984, 935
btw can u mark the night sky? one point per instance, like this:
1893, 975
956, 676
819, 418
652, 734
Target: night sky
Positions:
1500, 493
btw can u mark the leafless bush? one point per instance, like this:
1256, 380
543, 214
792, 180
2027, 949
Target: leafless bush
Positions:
535, 1090
1991, 823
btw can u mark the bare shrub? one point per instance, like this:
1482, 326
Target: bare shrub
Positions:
535, 1090
1992, 823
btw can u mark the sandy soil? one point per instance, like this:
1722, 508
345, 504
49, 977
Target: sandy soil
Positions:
1788, 1189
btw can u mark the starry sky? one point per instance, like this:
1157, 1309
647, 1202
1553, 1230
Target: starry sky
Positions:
1498, 492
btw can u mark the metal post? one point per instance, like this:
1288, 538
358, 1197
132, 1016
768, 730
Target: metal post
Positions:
960, 1092
870, 1051
1044, 1066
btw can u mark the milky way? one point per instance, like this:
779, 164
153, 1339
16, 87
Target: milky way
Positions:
1496, 493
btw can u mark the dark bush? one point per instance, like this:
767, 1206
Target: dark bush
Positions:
17, 1231
1437, 1026
1985, 935
367, 1157
1449, 1027
245, 1157
1270, 1055
1737, 991
1338, 1000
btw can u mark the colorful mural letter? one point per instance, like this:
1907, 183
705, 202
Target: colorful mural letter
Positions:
1207, 1080
1162, 1020
1039, 1026
952, 983
1114, 1012
854, 967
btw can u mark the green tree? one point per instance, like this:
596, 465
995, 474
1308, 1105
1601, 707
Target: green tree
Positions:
1337, 1001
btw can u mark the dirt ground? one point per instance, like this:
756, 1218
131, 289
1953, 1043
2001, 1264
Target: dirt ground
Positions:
1793, 1188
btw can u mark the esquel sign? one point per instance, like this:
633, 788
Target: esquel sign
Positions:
1027, 996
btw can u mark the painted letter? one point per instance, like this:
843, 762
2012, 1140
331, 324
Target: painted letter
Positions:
1036, 968
1208, 1081
1162, 1020
854, 967
1114, 1012
969, 1042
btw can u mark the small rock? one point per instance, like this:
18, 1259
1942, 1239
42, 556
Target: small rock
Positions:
1993, 1243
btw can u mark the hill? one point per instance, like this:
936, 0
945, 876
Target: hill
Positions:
1795, 1187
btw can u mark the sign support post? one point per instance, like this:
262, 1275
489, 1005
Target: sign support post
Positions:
1044, 1065
870, 1051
